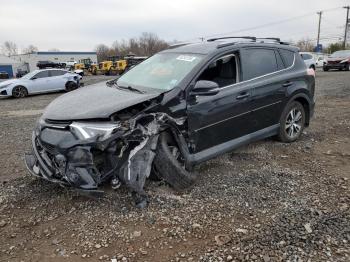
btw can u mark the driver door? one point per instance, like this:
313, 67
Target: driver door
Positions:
217, 119
40, 82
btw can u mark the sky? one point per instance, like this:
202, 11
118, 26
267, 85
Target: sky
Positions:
80, 25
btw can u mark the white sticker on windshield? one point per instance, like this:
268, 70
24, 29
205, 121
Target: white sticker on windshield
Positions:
186, 58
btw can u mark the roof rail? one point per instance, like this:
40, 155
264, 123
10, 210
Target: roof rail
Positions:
178, 45
276, 39
229, 37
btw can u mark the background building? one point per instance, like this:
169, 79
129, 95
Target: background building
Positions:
28, 61
9, 65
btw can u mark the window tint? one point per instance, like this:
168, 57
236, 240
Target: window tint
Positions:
223, 71
258, 62
287, 56
57, 72
42, 74
279, 61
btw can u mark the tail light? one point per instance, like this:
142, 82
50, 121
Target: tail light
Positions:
311, 72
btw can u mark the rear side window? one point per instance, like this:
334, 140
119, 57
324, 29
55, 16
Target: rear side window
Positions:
288, 57
258, 62
280, 64
57, 72
42, 74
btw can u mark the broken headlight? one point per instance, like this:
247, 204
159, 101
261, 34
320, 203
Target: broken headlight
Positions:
86, 130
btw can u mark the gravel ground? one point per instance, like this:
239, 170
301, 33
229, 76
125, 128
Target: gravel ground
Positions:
264, 202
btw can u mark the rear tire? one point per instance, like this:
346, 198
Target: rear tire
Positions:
347, 67
19, 92
292, 122
169, 165
325, 69
70, 86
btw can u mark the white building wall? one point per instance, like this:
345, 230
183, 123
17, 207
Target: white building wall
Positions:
60, 57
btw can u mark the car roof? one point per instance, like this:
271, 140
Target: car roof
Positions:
206, 48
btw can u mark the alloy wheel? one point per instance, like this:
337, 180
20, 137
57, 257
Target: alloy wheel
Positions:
18, 92
293, 123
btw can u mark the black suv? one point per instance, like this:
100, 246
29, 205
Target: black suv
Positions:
180, 107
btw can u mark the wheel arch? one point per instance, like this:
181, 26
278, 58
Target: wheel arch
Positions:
304, 100
20, 85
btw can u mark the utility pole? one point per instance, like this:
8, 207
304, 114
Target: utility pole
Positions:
346, 25
319, 28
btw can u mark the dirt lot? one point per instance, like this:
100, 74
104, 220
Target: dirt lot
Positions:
266, 202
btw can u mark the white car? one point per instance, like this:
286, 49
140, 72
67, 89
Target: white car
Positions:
309, 59
40, 81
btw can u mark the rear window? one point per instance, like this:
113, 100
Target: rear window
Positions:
287, 56
258, 62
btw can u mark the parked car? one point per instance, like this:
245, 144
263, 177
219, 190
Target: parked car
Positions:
40, 81
50, 64
4, 75
309, 59
338, 60
178, 108
321, 59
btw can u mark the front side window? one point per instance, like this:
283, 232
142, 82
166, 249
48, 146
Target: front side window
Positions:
223, 71
162, 71
258, 62
42, 74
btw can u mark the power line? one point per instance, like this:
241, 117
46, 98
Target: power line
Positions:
268, 24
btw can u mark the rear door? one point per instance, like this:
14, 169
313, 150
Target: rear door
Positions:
57, 80
214, 120
263, 69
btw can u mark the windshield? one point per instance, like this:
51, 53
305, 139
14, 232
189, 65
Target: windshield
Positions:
342, 53
30, 74
161, 71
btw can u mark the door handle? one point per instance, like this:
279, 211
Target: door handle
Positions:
242, 95
288, 83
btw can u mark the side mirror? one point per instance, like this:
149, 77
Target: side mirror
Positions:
205, 88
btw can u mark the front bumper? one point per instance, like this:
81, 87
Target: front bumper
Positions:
6, 92
54, 168
335, 66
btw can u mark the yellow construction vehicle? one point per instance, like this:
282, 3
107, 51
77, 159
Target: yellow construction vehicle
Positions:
105, 67
85, 64
123, 65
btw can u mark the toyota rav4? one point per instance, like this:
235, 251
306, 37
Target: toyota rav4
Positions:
178, 108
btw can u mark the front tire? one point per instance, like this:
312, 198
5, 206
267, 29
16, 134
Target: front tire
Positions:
19, 92
292, 122
169, 164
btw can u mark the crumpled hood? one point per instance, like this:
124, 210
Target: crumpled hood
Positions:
95, 101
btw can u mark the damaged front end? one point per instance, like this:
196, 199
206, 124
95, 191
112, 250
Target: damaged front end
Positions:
86, 154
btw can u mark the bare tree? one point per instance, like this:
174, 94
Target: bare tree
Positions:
30, 49
102, 52
9, 48
147, 44
305, 45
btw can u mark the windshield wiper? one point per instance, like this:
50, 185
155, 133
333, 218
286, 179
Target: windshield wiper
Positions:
133, 89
